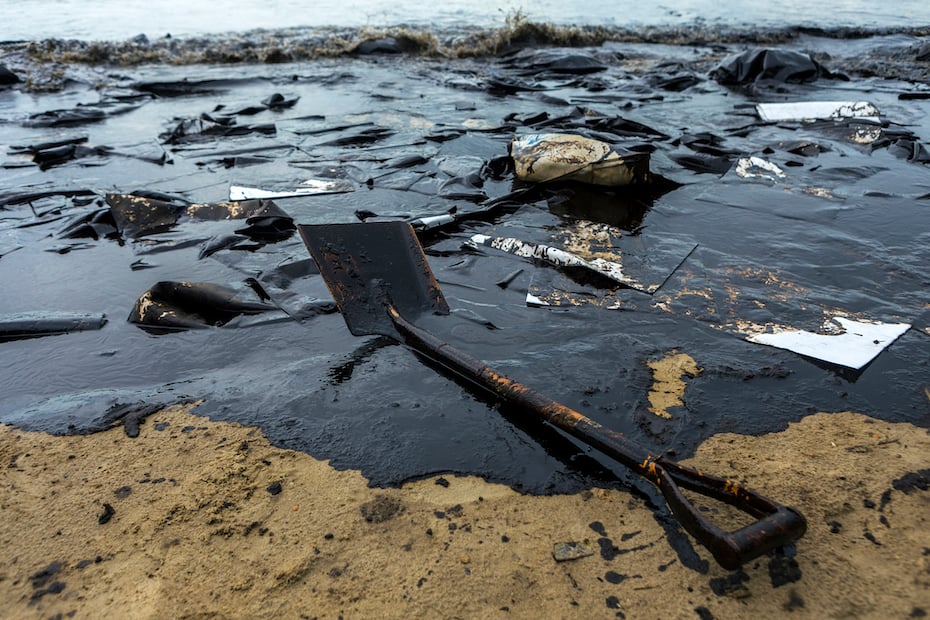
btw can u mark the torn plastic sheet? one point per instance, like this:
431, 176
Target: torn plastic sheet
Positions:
852, 344
646, 265
539, 158
550, 289
765, 305
650, 262
610, 269
309, 187
813, 110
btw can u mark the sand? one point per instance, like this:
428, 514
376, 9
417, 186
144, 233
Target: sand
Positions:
199, 519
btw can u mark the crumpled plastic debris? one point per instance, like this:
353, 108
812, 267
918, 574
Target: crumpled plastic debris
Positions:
171, 306
772, 65
7, 77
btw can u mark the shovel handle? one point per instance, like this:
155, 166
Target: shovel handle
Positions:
776, 525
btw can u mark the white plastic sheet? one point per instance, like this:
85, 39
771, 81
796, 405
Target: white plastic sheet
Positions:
310, 187
815, 110
855, 344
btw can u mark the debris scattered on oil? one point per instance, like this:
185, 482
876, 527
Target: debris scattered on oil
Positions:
609, 268
758, 168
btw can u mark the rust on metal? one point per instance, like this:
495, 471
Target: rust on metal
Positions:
360, 281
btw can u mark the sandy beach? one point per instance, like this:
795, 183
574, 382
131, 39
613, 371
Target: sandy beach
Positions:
198, 519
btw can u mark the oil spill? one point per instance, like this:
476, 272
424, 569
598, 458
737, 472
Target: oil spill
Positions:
842, 229
783, 568
127, 415
909, 483
733, 585
106, 515
614, 577
703, 613
382, 508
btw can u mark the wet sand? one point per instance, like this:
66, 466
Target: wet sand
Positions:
198, 519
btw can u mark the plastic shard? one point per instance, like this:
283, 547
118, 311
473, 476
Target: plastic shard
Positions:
647, 262
813, 110
555, 256
309, 187
856, 344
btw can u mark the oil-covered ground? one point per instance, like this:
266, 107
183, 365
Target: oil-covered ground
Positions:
132, 282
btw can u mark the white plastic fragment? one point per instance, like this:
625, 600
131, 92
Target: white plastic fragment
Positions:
309, 187
547, 253
533, 300
432, 221
816, 110
554, 156
756, 167
856, 344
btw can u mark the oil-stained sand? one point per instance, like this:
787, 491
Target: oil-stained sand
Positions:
208, 520
669, 387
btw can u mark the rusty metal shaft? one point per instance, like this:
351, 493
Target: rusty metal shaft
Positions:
776, 525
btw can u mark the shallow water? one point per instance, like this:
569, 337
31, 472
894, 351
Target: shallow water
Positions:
845, 230
118, 20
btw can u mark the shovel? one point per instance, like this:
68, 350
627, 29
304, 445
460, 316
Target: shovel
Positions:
380, 279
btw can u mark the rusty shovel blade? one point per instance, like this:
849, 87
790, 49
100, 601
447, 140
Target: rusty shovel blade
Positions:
365, 265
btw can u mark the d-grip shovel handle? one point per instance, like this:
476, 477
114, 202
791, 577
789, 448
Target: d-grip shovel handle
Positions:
775, 526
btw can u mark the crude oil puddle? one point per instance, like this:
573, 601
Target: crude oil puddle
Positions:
419, 140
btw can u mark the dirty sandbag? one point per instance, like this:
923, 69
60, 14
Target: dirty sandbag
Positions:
567, 157
172, 306
769, 65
